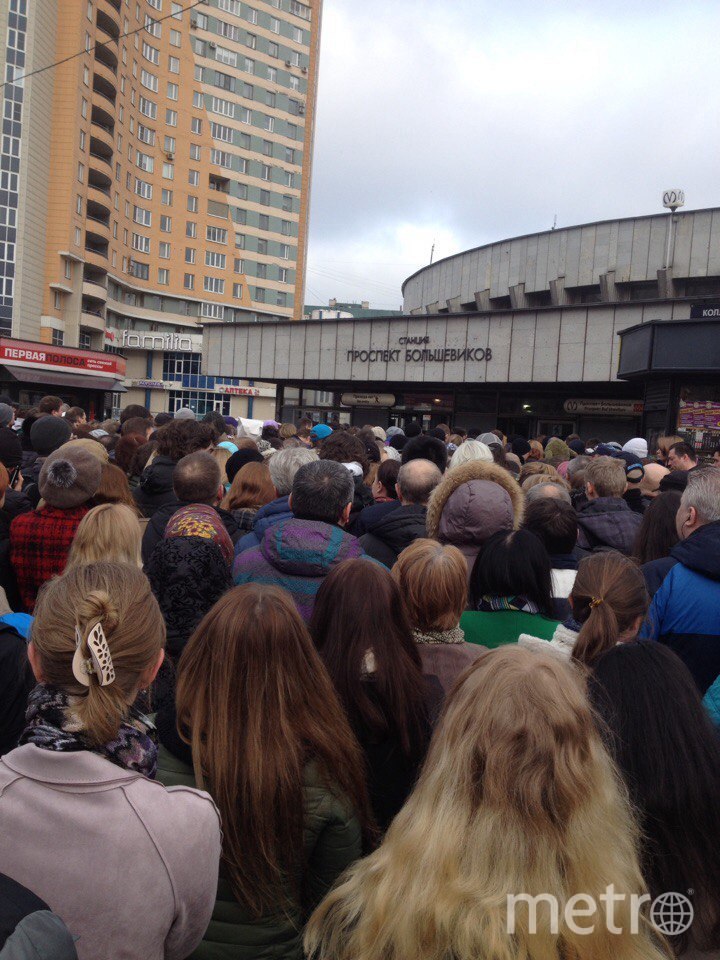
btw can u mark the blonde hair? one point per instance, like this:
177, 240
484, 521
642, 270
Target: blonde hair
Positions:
110, 531
118, 596
221, 455
433, 582
287, 430
607, 475
536, 479
518, 795
538, 468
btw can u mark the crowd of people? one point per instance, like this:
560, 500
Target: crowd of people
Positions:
311, 690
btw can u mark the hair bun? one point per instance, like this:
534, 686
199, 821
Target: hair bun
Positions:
98, 605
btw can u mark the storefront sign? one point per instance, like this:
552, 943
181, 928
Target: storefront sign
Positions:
440, 355
175, 342
25, 353
238, 391
699, 415
367, 399
153, 384
605, 408
704, 311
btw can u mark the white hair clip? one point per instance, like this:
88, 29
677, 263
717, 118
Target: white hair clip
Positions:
99, 663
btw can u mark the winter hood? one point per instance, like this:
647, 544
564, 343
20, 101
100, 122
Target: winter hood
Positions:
701, 551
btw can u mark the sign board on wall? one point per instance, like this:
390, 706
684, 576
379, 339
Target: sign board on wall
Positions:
605, 408
699, 415
367, 399
704, 311
238, 391
25, 353
165, 342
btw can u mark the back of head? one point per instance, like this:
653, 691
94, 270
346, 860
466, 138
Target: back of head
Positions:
554, 523
387, 476
512, 564
126, 449
48, 433
607, 476
576, 470
114, 487
413, 429
359, 607
516, 782
470, 450
342, 447
162, 418
180, 437
240, 458
133, 410
657, 534
250, 751
703, 494
546, 490
650, 483
136, 425
433, 583
197, 478
285, 464
609, 598
69, 478
216, 421
416, 480
321, 490
669, 755
50, 405
538, 468
74, 415
426, 448
251, 488
110, 531
116, 596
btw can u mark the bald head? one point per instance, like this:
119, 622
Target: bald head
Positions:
650, 483
550, 489
416, 481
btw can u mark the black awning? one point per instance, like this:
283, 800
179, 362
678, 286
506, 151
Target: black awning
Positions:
77, 380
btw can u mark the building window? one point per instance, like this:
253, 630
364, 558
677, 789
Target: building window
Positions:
219, 131
166, 198
283, 275
163, 277
195, 151
270, 98
172, 91
284, 251
189, 281
151, 53
175, 38
164, 250
272, 74
240, 241
141, 243
287, 203
238, 266
85, 340
190, 229
264, 221
251, 41
149, 81
201, 401
266, 172
196, 126
57, 303
265, 197
189, 255
262, 271
194, 178
214, 285
286, 228
166, 224
273, 49
270, 124
262, 246
216, 260
281, 298
142, 216
274, 24
216, 234
146, 135
169, 145
78, 208
171, 118
173, 65
237, 291
168, 171
143, 189
81, 172
259, 294
198, 100
212, 311
139, 270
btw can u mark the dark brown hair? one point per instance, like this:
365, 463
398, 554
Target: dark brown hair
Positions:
387, 475
256, 705
251, 488
359, 609
114, 488
342, 447
49, 404
180, 437
126, 449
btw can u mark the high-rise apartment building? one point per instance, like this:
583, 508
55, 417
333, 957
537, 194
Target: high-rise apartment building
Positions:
155, 182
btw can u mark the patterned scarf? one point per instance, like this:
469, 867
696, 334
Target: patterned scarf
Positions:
456, 635
521, 604
50, 726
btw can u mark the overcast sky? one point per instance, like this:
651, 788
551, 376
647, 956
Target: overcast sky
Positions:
466, 121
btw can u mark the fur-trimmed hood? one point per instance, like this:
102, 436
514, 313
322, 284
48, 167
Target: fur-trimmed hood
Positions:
473, 502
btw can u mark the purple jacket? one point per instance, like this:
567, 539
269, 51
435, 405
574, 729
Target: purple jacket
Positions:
297, 555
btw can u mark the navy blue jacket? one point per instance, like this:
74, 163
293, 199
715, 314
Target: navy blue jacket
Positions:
655, 572
369, 516
266, 517
685, 611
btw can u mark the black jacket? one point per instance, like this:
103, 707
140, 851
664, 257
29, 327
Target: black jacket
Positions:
369, 516
363, 498
16, 682
387, 539
155, 530
608, 523
156, 486
28, 928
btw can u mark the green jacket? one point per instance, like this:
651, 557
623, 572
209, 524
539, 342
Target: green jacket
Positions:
332, 843
497, 627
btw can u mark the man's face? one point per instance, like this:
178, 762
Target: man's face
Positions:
716, 458
677, 463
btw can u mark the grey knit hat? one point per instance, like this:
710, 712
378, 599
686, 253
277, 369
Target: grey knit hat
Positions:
48, 433
6, 414
185, 413
69, 477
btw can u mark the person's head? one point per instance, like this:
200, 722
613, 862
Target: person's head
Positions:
470, 450
69, 478
76, 416
609, 600
552, 489
342, 447
658, 534
517, 794
240, 458
650, 483
319, 433
250, 751
433, 583
668, 753
126, 449
221, 455
535, 468
360, 608
196, 479
605, 477
521, 448
554, 523
133, 410
287, 430
117, 597
413, 429
48, 433
386, 479
513, 564
416, 481
110, 531
575, 472
138, 426
681, 456
637, 447
700, 503
217, 422
180, 437
323, 490
285, 464
185, 413
141, 457
537, 452
251, 488
50, 406
114, 488
663, 447
426, 448
162, 418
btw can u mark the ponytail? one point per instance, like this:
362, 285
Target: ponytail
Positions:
608, 597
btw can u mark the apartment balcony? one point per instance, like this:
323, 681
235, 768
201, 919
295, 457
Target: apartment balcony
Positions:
97, 257
99, 175
97, 232
107, 52
108, 19
99, 202
105, 81
94, 294
102, 140
92, 319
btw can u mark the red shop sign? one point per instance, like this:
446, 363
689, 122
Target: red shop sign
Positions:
25, 353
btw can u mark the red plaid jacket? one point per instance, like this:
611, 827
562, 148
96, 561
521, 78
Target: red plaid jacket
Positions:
39, 546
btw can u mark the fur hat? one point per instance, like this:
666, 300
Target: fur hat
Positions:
92, 446
48, 433
69, 477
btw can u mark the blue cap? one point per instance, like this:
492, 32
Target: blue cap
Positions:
320, 431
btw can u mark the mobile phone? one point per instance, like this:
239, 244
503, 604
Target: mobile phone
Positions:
14, 476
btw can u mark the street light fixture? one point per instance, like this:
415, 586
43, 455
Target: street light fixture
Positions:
672, 199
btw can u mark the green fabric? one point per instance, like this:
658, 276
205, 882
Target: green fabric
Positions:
498, 627
332, 843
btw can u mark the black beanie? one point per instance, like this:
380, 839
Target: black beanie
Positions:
413, 429
48, 433
520, 447
238, 460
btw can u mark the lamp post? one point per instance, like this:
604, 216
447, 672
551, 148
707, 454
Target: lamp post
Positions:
672, 199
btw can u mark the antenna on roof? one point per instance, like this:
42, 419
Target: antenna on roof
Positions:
554, 226
432, 251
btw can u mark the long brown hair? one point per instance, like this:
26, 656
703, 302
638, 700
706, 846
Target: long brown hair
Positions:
256, 705
359, 611
114, 488
251, 488
608, 596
